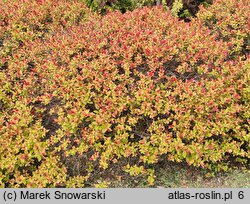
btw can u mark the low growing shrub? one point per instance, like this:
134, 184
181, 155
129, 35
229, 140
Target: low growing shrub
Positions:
130, 89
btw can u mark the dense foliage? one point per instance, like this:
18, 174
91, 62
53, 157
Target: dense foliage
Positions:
130, 89
181, 8
230, 21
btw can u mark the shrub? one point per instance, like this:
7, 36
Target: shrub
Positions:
130, 89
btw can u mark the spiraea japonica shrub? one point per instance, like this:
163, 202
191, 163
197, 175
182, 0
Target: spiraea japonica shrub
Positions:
130, 89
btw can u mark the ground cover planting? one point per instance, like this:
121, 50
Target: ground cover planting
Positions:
82, 93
